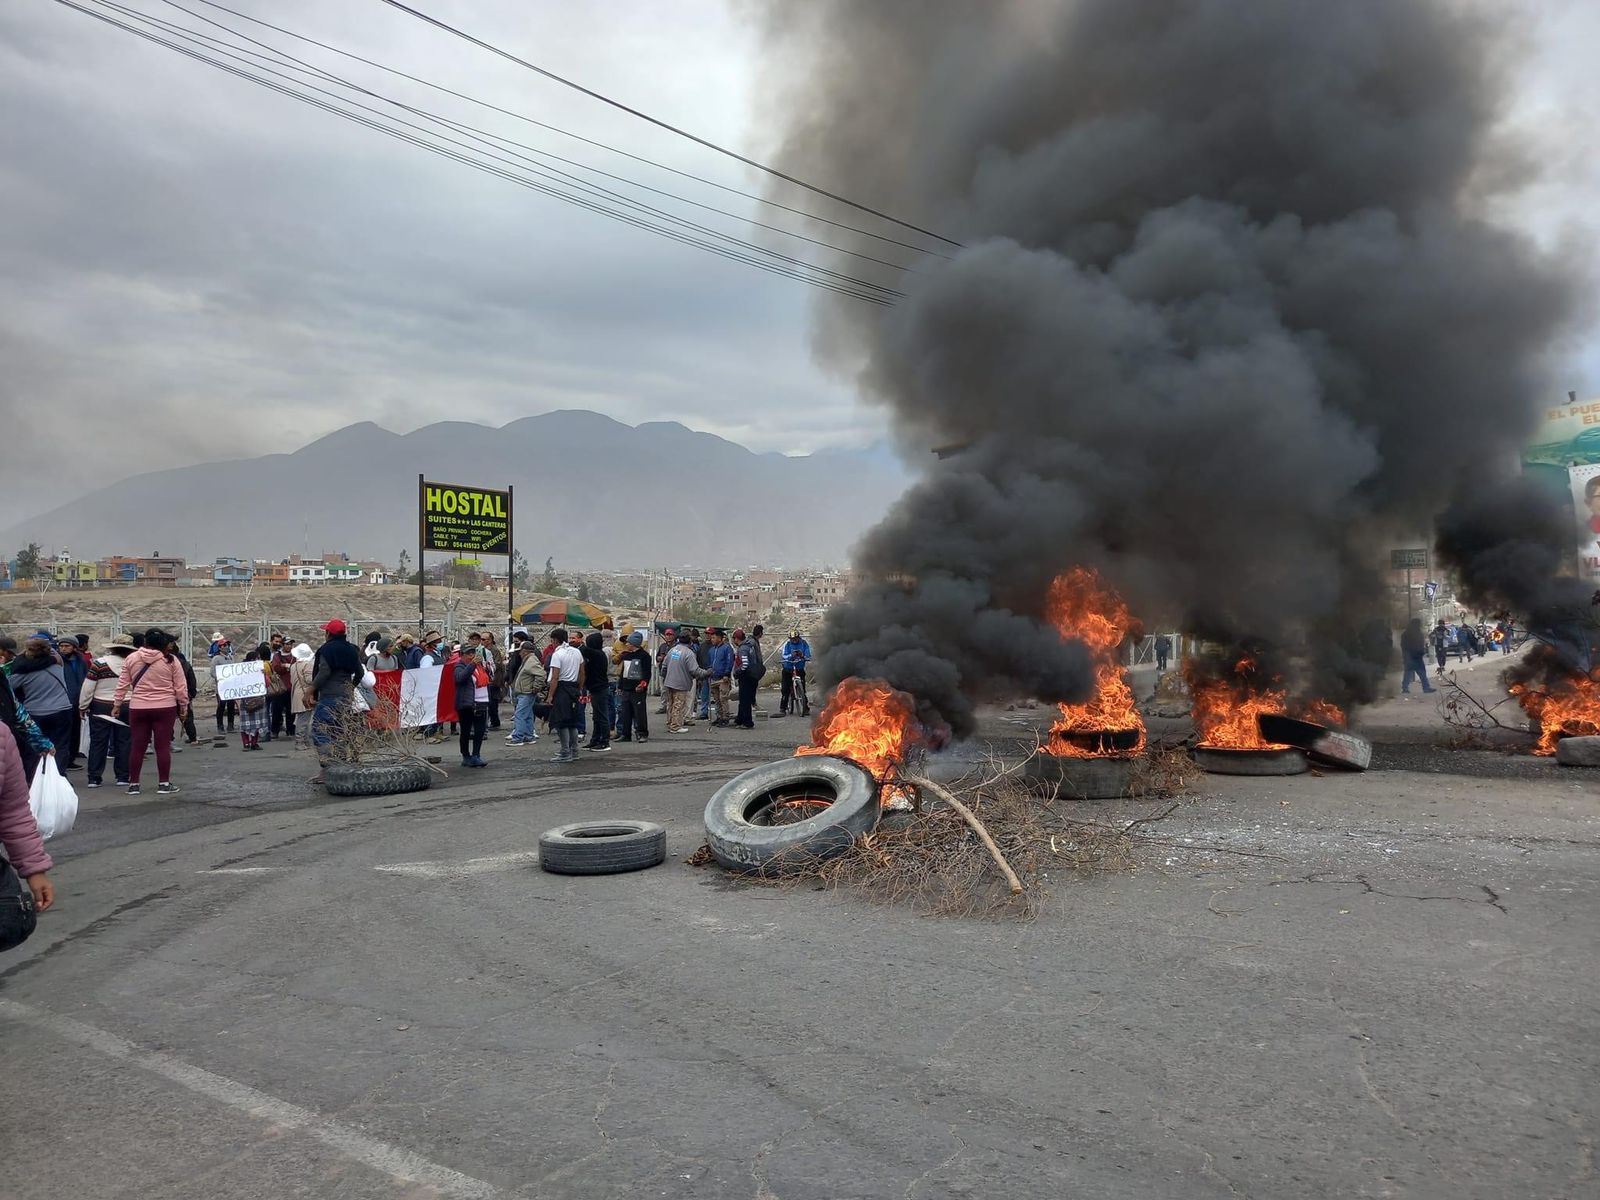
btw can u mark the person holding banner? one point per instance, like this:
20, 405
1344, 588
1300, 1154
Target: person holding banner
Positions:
154, 694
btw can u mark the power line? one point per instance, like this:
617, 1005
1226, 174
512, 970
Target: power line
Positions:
644, 116
536, 168
745, 253
461, 126
578, 137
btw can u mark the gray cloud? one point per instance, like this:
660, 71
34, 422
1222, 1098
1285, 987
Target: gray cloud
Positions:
194, 268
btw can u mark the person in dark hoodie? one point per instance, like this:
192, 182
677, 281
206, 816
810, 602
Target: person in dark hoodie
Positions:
597, 668
335, 671
633, 691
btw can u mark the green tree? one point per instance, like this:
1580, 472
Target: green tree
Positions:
694, 615
521, 573
549, 584
583, 589
28, 561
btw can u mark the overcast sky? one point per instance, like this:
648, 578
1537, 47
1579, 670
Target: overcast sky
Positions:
192, 267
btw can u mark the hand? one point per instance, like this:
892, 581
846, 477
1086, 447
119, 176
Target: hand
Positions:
116, 711
44, 892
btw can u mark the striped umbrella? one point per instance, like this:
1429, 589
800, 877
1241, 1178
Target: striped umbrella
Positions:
579, 614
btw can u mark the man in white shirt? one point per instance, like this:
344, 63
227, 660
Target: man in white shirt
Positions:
566, 682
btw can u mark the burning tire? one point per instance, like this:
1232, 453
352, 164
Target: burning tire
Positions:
1336, 749
602, 847
1221, 760
1324, 746
801, 809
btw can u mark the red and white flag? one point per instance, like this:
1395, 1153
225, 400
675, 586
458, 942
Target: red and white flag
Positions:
420, 695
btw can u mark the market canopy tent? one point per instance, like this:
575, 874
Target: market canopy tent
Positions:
579, 614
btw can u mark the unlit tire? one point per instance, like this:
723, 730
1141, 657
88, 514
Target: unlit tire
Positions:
1343, 750
1081, 778
602, 847
1578, 752
375, 779
739, 838
1287, 761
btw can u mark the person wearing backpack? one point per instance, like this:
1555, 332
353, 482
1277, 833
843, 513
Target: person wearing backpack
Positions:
747, 672
154, 694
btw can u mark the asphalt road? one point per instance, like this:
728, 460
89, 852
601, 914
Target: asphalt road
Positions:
1340, 986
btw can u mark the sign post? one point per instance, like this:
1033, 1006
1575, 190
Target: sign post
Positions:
1409, 560
465, 521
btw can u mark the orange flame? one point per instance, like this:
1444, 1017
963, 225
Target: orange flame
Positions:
1321, 712
1084, 606
1225, 710
1569, 707
868, 722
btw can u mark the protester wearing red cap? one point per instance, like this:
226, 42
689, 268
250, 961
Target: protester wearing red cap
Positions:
335, 671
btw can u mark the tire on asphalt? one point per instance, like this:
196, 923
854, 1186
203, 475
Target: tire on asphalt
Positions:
1287, 760
739, 826
1344, 750
1581, 751
375, 779
1081, 778
602, 847
1289, 731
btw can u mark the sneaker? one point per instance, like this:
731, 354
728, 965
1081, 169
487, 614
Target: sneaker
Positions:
122, 783
477, 761
467, 762
166, 789
629, 738
680, 729
94, 783
600, 748
133, 789
512, 741
779, 713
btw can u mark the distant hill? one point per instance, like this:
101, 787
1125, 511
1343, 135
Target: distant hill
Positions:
591, 492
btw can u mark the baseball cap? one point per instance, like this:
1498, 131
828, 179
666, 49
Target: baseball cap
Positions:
334, 626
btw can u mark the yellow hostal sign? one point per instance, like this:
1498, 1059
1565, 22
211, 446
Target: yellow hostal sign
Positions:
466, 520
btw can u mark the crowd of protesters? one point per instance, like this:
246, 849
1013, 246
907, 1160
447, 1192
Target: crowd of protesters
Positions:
109, 711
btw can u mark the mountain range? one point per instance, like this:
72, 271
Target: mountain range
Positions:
591, 492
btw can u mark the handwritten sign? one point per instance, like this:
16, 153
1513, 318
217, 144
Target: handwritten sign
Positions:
240, 681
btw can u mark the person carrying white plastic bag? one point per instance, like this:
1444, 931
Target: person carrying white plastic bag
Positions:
52, 800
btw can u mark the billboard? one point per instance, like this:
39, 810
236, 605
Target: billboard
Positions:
1585, 483
465, 520
1569, 436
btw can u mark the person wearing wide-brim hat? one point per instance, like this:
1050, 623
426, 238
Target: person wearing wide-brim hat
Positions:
300, 678
96, 699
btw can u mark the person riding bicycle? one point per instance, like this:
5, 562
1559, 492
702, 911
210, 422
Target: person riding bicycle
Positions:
796, 654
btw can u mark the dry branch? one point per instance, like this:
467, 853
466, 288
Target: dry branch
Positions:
920, 781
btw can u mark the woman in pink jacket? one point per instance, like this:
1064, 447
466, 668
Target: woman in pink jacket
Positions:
18, 833
155, 694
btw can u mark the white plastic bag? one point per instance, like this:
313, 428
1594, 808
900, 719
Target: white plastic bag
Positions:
54, 803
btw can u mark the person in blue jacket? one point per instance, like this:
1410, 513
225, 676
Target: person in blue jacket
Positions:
796, 654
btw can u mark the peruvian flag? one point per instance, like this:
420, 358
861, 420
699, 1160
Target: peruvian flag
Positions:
421, 696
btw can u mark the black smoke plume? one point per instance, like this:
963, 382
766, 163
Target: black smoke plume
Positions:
1226, 314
